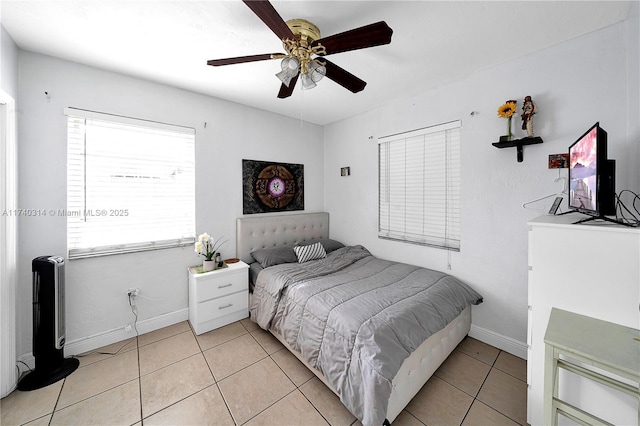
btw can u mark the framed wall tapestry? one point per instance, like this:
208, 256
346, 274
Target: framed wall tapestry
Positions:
271, 187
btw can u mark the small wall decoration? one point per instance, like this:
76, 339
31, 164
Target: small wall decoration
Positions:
345, 171
271, 187
559, 161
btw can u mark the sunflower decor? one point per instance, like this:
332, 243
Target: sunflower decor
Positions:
507, 110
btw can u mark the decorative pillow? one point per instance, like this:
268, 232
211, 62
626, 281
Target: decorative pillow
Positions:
310, 252
274, 256
328, 244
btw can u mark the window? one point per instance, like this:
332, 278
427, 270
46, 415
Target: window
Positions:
130, 184
419, 192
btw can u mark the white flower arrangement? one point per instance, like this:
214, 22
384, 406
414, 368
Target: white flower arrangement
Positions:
207, 246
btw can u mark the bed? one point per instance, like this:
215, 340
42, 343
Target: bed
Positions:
357, 322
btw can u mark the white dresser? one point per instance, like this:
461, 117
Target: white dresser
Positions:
591, 269
218, 297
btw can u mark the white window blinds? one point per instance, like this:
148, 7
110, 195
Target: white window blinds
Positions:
130, 184
419, 186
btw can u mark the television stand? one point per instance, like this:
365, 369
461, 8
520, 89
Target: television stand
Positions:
590, 218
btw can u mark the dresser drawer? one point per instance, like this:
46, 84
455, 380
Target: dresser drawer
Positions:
218, 285
223, 306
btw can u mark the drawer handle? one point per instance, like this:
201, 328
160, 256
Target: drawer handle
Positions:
226, 285
226, 306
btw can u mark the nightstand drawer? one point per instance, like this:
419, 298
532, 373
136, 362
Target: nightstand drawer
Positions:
222, 306
218, 285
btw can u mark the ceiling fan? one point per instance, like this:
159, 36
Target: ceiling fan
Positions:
305, 50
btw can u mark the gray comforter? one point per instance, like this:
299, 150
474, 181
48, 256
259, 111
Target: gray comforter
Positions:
356, 318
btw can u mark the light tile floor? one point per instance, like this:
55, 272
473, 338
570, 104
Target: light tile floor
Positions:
240, 374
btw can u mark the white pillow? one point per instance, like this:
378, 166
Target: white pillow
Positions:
310, 252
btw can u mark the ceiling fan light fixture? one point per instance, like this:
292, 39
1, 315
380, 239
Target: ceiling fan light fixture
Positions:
290, 63
290, 66
286, 76
307, 81
317, 70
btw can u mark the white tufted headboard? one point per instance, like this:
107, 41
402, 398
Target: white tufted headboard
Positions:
253, 233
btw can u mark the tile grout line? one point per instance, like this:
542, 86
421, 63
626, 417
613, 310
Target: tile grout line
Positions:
64, 381
57, 401
508, 374
215, 381
298, 387
55, 406
493, 364
261, 359
475, 397
200, 352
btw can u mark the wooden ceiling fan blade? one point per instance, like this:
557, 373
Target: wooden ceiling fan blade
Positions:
242, 59
359, 38
266, 12
285, 91
344, 78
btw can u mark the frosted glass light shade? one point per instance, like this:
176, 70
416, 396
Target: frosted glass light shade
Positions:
317, 71
289, 67
307, 81
290, 63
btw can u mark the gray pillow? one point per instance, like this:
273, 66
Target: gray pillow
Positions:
328, 244
274, 256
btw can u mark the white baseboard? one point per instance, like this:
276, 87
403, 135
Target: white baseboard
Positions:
99, 340
504, 343
86, 344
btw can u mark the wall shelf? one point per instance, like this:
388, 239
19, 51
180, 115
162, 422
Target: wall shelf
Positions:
518, 143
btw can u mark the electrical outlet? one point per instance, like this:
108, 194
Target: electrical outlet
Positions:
133, 292
128, 328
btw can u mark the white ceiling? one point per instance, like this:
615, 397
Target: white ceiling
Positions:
171, 41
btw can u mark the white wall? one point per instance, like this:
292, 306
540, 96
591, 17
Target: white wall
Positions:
632, 27
8, 224
573, 84
95, 288
8, 64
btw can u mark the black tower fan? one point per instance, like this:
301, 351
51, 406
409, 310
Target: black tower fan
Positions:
48, 325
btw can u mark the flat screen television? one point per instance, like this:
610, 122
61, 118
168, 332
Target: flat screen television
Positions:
591, 175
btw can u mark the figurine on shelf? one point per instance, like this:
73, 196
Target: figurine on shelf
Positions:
529, 109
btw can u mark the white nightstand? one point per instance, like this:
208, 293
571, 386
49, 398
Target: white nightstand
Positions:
218, 297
